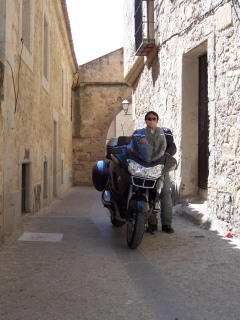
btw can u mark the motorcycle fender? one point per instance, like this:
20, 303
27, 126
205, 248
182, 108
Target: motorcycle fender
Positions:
139, 204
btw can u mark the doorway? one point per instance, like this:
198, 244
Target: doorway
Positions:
195, 123
203, 123
54, 158
25, 205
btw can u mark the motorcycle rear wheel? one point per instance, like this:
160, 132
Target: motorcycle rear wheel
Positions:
136, 229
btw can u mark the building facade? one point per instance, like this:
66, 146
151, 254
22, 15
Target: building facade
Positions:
181, 59
37, 64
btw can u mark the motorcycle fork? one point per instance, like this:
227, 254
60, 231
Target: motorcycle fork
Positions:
136, 191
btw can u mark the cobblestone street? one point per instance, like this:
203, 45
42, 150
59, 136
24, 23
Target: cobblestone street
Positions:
68, 262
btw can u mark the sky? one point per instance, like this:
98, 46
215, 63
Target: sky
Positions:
97, 27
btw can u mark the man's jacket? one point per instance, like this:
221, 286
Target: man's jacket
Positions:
156, 138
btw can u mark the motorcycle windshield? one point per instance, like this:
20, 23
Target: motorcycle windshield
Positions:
147, 149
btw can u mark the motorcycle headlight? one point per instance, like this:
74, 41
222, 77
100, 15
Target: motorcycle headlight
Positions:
137, 169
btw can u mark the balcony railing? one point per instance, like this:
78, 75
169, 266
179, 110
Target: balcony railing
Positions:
144, 27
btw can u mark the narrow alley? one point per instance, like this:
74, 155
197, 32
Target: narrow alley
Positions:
67, 262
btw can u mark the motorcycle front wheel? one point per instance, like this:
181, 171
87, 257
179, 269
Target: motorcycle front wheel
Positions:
136, 229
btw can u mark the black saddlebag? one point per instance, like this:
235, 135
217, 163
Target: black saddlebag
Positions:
100, 174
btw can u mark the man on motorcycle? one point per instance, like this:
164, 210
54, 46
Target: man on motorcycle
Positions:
153, 134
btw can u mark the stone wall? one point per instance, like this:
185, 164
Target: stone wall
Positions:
167, 82
36, 113
1, 146
98, 99
2, 72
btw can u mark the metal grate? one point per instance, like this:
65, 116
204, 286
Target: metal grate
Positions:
138, 23
144, 26
143, 183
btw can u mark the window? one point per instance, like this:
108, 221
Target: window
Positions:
46, 26
63, 89
46, 49
68, 94
26, 24
27, 27
144, 27
62, 170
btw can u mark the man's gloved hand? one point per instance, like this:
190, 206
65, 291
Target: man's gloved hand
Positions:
170, 162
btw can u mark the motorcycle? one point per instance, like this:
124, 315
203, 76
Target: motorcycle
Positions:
131, 179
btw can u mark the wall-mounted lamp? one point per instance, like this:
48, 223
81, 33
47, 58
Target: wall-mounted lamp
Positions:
125, 105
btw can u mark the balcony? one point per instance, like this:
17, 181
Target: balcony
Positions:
145, 47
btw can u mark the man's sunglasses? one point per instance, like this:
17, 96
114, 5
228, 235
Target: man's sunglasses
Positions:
151, 119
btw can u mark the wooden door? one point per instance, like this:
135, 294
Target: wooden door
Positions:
203, 123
